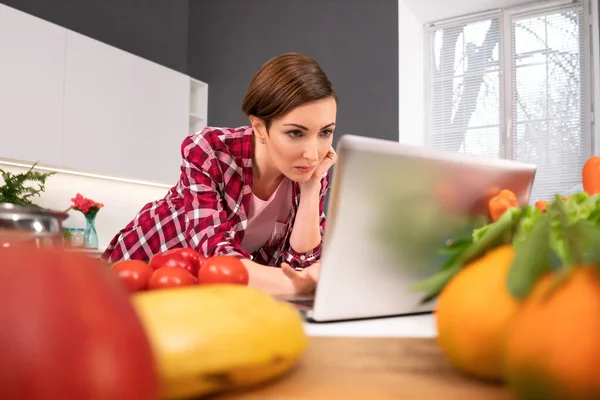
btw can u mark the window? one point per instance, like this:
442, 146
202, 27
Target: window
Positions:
515, 84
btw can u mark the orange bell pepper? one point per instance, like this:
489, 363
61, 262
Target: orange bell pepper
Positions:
542, 205
590, 175
501, 202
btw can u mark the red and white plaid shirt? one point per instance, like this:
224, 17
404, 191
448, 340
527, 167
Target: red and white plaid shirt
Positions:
208, 207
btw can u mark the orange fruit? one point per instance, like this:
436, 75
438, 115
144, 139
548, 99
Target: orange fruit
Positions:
473, 312
553, 346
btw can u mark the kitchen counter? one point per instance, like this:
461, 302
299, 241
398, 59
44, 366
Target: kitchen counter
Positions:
387, 358
95, 253
353, 368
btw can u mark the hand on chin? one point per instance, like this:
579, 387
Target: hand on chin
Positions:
309, 182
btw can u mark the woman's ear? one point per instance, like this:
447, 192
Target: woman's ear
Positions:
259, 128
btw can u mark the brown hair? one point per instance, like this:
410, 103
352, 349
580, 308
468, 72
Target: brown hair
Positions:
284, 83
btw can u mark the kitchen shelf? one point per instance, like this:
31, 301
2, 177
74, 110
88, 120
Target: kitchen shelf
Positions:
96, 253
198, 105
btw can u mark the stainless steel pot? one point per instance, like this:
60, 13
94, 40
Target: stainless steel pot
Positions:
31, 224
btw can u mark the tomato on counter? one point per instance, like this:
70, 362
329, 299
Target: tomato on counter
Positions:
171, 259
223, 269
196, 259
172, 277
134, 274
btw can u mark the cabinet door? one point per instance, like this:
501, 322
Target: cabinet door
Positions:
32, 63
124, 116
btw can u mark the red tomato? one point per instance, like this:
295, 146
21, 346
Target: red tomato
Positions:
134, 274
192, 256
167, 259
164, 278
223, 269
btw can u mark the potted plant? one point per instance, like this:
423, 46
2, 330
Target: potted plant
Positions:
16, 190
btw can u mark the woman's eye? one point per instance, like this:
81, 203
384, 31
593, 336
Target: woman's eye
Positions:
327, 133
295, 134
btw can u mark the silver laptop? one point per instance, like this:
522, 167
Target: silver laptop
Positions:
391, 208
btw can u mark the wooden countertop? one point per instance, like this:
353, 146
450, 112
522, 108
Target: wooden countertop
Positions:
373, 368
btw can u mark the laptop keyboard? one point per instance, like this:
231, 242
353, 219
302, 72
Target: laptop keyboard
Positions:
303, 302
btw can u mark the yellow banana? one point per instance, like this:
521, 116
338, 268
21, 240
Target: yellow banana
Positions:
217, 337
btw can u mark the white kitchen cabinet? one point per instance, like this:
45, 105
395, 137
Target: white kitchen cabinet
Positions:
124, 115
32, 70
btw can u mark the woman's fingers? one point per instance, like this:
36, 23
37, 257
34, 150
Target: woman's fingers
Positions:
324, 165
314, 271
288, 271
303, 281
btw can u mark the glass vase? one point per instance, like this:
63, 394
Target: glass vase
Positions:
90, 236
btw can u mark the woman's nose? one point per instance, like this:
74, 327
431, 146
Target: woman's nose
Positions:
311, 153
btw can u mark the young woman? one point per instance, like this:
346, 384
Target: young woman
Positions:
255, 192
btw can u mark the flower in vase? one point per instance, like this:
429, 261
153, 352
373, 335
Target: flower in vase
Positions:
87, 206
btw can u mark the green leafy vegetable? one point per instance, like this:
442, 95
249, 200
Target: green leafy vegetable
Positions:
572, 240
532, 258
566, 236
467, 250
563, 237
435, 283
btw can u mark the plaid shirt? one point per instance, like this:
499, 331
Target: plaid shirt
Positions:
208, 207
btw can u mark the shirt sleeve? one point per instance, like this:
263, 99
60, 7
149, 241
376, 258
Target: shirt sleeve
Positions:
303, 260
209, 228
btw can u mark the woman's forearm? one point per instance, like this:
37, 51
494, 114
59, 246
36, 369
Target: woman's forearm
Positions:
306, 233
268, 279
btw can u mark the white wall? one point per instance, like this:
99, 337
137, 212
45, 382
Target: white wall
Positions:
122, 199
411, 76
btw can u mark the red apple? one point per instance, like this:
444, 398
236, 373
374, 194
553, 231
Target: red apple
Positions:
69, 331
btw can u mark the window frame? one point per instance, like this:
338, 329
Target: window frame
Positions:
591, 76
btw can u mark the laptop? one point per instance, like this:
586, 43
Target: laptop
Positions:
391, 208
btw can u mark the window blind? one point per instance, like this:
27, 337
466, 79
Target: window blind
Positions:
514, 86
464, 88
548, 98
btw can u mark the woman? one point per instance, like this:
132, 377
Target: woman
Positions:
254, 192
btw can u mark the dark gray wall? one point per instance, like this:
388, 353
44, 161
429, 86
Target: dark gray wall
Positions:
355, 41
153, 29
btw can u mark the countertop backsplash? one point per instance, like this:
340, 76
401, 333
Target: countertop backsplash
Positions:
122, 199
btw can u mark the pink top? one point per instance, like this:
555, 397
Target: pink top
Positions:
267, 218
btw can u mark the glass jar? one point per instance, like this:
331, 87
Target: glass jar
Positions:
77, 237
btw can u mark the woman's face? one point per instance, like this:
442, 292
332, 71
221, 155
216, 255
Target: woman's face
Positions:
299, 140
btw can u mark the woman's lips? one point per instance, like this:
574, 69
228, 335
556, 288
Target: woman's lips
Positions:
304, 170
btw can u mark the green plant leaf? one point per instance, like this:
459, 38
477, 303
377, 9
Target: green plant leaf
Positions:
492, 235
532, 259
464, 251
15, 189
434, 285
584, 241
